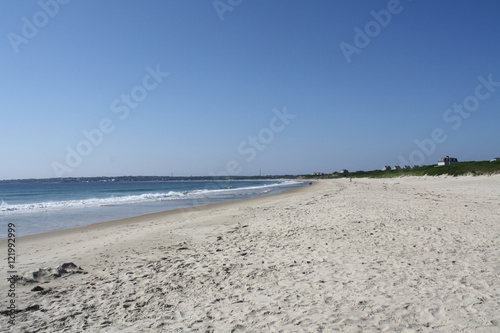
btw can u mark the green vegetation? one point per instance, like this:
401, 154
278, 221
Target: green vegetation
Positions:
459, 169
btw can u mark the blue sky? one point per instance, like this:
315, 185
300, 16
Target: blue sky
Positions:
237, 86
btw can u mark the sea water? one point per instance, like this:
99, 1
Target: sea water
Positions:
42, 207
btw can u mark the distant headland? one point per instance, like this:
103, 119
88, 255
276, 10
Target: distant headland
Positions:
123, 179
474, 168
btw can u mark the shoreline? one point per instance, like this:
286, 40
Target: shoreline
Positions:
400, 254
142, 218
127, 210
65, 239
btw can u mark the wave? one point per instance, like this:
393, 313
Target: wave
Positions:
6, 209
197, 195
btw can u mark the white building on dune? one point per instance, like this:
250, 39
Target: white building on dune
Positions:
447, 161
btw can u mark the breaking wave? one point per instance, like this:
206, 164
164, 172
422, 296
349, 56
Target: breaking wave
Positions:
224, 193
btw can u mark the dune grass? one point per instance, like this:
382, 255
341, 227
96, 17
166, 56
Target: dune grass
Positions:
463, 168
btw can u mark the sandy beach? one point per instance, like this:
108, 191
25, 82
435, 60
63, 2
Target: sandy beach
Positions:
374, 255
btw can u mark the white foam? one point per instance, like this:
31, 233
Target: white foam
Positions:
6, 209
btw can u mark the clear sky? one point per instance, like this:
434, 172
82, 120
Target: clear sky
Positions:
110, 88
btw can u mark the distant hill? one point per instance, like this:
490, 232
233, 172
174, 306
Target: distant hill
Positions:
143, 179
459, 169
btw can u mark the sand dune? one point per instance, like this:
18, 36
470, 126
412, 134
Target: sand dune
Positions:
397, 255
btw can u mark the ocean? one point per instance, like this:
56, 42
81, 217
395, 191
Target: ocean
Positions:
41, 207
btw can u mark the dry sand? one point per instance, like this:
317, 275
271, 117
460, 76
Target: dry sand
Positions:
396, 255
